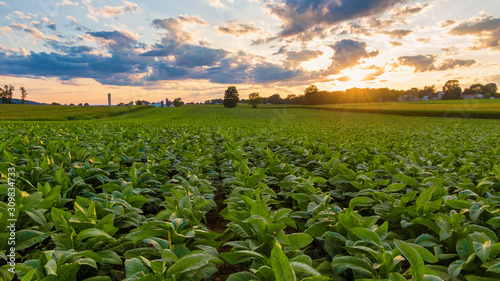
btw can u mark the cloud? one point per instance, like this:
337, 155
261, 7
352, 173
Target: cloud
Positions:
374, 75
2, 3
44, 22
487, 31
110, 11
114, 40
447, 23
421, 63
23, 52
455, 63
66, 3
238, 29
215, 3
294, 58
398, 33
423, 39
191, 56
93, 18
73, 65
21, 15
300, 16
269, 72
176, 34
348, 53
408, 11
33, 32
395, 43
344, 79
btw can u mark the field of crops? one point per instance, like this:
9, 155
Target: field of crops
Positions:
447, 108
251, 194
61, 112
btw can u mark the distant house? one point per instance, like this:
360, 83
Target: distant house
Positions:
425, 98
440, 95
472, 96
408, 98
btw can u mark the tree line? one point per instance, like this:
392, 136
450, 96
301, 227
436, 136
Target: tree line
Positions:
313, 96
7, 92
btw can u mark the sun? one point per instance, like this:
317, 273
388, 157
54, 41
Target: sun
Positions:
356, 75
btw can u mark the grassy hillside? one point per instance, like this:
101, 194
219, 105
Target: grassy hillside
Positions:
29, 112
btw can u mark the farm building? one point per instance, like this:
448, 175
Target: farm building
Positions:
408, 98
472, 96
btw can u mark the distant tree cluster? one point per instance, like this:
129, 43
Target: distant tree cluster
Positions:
313, 96
451, 90
178, 102
488, 90
7, 92
141, 102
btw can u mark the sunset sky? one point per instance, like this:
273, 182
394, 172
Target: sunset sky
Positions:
73, 51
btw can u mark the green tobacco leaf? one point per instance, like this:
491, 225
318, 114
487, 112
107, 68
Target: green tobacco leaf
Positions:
281, 266
242, 276
395, 187
407, 180
459, 204
189, 263
304, 268
495, 268
29, 275
417, 267
358, 265
455, 268
359, 201
135, 265
92, 233
482, 250
367, 235
299, 240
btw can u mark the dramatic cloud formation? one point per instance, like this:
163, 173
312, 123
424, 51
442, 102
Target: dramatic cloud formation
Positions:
294, 58
486, 29
347, 54
300, 16
272, 44
423, 63
420, 62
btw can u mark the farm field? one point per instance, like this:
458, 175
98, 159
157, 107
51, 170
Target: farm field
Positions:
61, 112
447, 108
204, 193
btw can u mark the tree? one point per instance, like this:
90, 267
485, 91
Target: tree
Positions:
477, 88
10, 93
311, 90
452, 90
178, 102
231, 97
86, 104
490, 89
141, 102
254, 99
275, 99
3, 94
24, 93
428, 91
311, 95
